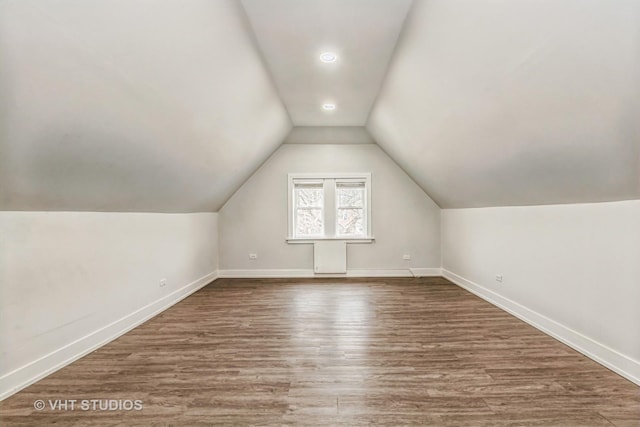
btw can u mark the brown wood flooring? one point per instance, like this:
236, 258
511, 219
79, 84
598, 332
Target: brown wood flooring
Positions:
335, 351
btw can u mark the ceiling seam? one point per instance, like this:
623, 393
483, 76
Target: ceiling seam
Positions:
254, 40
392, 59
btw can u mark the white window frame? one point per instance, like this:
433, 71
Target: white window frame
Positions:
330, 206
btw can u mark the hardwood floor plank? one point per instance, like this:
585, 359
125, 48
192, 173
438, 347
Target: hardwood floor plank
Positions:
392, 351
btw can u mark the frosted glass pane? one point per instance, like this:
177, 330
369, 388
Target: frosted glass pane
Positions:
307, 197
350, 196
351, 222
309, 222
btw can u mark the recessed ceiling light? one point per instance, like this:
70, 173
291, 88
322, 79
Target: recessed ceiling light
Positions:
328, 57
328, 107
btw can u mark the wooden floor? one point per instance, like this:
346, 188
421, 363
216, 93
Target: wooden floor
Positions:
327, 352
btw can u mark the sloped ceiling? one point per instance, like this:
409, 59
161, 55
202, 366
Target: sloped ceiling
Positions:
167, 106
161, 106
501, 102
293, 33
329, 135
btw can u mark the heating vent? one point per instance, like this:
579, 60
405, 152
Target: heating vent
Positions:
330, 256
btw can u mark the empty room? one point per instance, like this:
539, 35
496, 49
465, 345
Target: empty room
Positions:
320, 212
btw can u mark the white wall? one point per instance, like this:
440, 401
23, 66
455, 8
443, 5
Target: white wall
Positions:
67, 276
335, 134
404, 218
572, 269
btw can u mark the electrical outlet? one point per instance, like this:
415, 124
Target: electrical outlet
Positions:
406, 257
163, 283
253, 256
499, 278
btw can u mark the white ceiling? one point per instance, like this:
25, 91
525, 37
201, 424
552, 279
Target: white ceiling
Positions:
168, 106
293, 33
161, 106
329, 135
492, 103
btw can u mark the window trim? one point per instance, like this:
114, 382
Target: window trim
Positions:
330, 220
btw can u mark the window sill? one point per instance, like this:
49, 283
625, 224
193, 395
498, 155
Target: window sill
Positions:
306, 240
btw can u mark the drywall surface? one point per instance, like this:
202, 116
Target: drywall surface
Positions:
67, 275
404, 218
329, 135
131, 106
577, 265
503, 103
292, 34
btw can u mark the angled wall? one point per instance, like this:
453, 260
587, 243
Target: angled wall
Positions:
157, 106
138, 106
529, 109
501, 103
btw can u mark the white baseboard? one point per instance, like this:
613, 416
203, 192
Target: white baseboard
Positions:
608, 357
426, 272
28, 374
300, 273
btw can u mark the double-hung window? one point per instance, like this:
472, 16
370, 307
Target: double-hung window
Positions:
351, 216
309, 208
329, 206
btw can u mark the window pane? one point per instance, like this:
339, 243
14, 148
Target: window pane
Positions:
351, 222
309, 196
309, 222
350, 195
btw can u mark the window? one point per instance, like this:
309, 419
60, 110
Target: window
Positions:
350, 203
329, 206
309, 209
